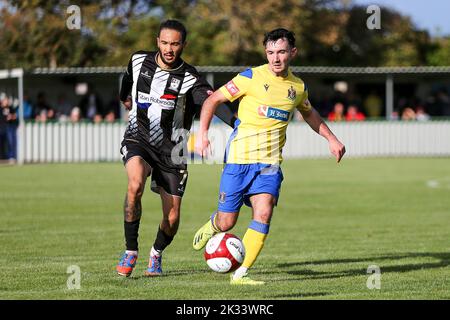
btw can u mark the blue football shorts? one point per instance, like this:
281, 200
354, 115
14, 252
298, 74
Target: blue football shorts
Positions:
240, 181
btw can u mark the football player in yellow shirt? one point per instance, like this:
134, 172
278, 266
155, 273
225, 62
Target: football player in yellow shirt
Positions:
252, 175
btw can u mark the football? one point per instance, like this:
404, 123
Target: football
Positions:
224, 252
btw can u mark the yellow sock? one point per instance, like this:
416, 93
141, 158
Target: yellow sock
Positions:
254, 241
213, 222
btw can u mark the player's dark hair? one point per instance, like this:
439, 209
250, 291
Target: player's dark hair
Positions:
280, 33
174, 25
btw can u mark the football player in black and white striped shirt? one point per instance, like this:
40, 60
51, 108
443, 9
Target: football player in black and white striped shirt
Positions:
163, 94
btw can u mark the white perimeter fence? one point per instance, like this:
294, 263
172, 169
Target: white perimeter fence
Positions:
88, 142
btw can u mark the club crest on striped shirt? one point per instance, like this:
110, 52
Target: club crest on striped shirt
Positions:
174, 84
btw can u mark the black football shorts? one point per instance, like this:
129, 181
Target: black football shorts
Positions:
166, 175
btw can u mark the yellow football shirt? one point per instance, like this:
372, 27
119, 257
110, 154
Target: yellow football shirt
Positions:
266, 106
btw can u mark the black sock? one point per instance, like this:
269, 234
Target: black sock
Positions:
131, 234
162, 240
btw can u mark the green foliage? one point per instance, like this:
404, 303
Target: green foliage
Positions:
440, 56
328, 32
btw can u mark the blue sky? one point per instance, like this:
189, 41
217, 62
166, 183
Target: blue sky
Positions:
432, 15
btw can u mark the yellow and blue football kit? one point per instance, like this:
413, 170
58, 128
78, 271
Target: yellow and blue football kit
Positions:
254, 151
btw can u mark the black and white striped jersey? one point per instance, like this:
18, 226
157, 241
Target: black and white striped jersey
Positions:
165, 101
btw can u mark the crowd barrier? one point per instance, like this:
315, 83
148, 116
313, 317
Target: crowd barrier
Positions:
89, 142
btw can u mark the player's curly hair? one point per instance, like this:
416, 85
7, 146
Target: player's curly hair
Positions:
174, 25
280, 33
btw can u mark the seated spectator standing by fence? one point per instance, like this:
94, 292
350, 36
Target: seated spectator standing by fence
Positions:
43, 110
373, 105
91, 106
75, 115
112, 112
338, 112
408, 114
421, 114
28, 112
3, 128
63, 108
353, 114
12, 124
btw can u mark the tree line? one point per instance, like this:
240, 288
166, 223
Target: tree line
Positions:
34, 33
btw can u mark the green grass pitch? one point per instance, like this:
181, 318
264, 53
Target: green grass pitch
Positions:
333, 222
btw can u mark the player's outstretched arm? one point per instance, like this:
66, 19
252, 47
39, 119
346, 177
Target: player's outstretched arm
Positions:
224, 113
125, 88
316, 122
208, 109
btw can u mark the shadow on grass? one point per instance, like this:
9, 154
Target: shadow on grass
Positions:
173, 273
300, 295
300, 271
443, 257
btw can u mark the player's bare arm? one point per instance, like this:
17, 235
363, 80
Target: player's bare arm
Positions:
316, 122
125, 90
128, 104
208, 109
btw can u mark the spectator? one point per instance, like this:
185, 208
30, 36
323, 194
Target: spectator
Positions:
338, 112
110, 117
373, 105
63, 107
51, 114
408, 114
28, 112
3, 127
75, 115
97, 118
41, 116
421, 114
353, 114
12, 124
394, 115
42, 108
91, 105
113, 109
